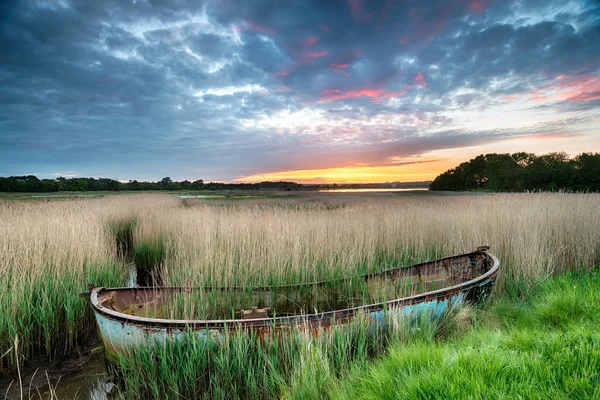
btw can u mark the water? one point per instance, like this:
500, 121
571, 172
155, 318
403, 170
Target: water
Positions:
132, 281
370, 190
202, 196
88, 380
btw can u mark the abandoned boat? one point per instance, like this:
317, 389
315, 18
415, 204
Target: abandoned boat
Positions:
128, 317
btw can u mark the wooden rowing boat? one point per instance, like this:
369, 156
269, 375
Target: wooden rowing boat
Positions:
128, 317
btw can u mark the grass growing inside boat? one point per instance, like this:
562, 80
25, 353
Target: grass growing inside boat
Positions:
215, 303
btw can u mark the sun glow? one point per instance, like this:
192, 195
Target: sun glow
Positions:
415, 172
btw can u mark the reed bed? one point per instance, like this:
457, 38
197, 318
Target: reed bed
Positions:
329, 236
50, 251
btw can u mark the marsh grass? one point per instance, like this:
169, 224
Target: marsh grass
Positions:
148, 257
291, 240
243, 364
544, 346
48, 316
123, 231
50, 251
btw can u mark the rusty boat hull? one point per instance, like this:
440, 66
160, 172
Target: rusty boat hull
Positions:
470, 279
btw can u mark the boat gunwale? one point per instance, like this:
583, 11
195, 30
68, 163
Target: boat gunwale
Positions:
226, 324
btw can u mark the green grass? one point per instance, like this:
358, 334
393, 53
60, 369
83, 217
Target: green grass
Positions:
48, 316
545, 345
148, 257
123, 230
248, 365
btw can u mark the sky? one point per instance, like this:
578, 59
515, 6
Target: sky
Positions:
308, 91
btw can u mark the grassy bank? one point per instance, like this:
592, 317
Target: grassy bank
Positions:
543, 346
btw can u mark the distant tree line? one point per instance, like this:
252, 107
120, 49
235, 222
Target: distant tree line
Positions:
362, 185
520, 172
31, 183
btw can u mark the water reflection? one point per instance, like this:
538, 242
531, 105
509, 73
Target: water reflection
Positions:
370, 190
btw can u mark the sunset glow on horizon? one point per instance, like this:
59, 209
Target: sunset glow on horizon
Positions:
355, 174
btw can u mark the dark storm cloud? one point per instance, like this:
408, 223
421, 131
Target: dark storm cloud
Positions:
218, 89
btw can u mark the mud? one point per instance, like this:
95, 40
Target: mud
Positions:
80, 375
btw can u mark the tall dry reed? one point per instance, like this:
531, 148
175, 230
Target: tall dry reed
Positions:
325, 236
49, 252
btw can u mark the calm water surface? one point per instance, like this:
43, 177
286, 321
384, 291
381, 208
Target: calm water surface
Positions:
370, 190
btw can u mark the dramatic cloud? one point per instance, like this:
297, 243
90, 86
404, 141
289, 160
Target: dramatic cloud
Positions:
230, 90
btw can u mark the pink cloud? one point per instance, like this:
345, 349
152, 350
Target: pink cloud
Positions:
357, 53
281, 74
477, 6
337, 67
421, 80
311, 41
317, 54
585, 89
377, 95
325, 28
404, 40
568, 89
